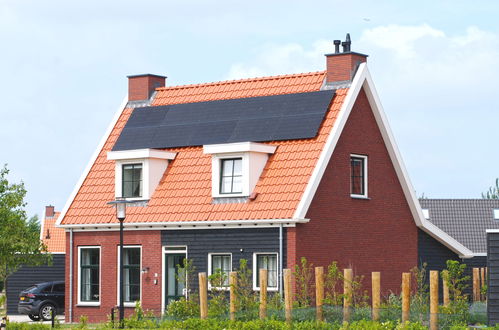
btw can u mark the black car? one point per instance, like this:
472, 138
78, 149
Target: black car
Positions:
40, 300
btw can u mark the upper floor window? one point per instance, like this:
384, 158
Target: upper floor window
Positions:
132, 180
231, 178
358, 176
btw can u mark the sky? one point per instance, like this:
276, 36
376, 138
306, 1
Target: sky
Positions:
63, 67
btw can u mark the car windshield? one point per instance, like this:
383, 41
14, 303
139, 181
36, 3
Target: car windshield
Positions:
31, 288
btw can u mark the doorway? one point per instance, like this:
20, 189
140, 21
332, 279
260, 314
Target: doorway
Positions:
174, 273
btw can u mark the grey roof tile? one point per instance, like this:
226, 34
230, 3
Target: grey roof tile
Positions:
466, 220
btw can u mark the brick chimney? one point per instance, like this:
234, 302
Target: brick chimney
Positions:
49, 211
141, 87
341, 67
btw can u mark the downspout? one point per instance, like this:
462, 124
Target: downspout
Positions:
281, 257
70, 275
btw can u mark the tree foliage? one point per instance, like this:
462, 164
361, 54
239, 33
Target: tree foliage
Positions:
493, 192
19, 237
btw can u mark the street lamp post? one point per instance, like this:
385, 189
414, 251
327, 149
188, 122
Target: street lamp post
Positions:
120, 215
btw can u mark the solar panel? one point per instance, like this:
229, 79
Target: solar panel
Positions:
255, 119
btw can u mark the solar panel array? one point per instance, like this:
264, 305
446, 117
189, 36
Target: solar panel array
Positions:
255, 119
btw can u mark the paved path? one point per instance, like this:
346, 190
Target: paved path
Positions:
26, 319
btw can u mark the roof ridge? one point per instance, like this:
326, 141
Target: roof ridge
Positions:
236, 81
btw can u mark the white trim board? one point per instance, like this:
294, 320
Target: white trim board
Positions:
92, 160
364, 80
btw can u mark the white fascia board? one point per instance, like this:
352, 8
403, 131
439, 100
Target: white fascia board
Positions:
225, 148
482, 254
190, 224
364, 80
140, 153
492, 231
92, 160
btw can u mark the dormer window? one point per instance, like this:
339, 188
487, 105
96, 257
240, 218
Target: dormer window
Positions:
236, 167
232, 176
132, 180
138, 172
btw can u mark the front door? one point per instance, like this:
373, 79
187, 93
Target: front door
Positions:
173, 272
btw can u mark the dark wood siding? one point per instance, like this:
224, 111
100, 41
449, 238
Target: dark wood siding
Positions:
434, 253
27, 276
242, 243
493, 278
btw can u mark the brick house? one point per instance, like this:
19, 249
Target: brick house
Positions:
267, 169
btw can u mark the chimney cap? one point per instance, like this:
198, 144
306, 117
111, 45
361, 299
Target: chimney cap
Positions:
346, 47
146, 75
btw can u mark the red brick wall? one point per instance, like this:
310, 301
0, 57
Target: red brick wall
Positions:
109, 243
340, 67
141, 87
378, 234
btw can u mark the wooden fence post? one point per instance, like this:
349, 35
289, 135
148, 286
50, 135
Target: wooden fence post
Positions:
263, 293
232, 283
433, 299
376, 288
406, 296
319, 292
476, 285
347, 292
288, 299
203, 295
482, 283
445, 288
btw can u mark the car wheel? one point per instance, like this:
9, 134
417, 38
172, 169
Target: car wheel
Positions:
46, 311
34, 317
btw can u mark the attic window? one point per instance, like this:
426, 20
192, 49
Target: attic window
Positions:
236, 167
358, 176
496, 214
132, 180
426, 213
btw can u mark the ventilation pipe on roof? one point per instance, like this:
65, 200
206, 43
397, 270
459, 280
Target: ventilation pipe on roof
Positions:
337, 44
346, 44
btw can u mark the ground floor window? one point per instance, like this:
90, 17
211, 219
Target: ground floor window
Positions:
266, 261
89, 274
220, 263
131, 274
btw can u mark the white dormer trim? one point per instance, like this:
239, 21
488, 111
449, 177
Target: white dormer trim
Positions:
154, 164
239, 147
254, 157
140, 153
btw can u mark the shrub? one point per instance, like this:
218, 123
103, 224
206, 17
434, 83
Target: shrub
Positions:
304, 283
332, 281
183, 309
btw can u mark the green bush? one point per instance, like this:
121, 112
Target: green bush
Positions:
182, 309
27, 326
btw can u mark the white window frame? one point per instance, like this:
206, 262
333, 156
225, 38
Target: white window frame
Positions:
127, 304
364, 157
210, 269
89, 303
217, 174
119, 178
256, 286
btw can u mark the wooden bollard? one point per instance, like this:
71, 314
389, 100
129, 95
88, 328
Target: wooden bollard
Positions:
288, 299
263, 293
482, 282
445, 288
347, 293
376, 294
232, 306
203, 296
476, 284
406, 296
319, 292
433, 300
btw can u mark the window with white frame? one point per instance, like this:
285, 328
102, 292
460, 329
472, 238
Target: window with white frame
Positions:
89, 275
132, 180
231, 178
220, 263
131, 274
358, 176
266, 261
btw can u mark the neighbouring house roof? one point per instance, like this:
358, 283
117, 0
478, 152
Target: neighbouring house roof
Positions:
184, 192
53, 237
466, 220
